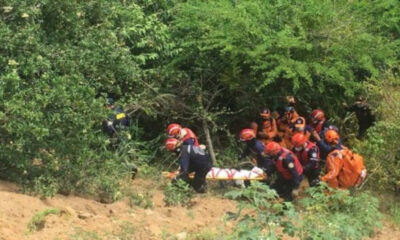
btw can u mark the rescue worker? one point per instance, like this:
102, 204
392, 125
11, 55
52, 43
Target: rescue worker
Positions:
265, 128
328, 143
281, 125
117, 120
185, 135
191, 159
333, 160
319, 124
344, 169
255, 147
289, 170
318, 120
308, 155
364, 115
295, 124
116, 127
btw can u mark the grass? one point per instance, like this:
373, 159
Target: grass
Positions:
394, 212
38, 220
81, 234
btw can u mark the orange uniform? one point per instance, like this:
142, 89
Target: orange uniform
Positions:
266, 130
344, 169
334, 164
296, 124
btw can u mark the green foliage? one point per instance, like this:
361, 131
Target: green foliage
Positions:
201, 63
141, 200
266, 213
381, 147
179, 193
395, 213
319, 52
337, 214
60, 58
324, 214
38, 220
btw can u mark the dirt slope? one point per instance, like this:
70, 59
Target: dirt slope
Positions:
87, 219
82, 217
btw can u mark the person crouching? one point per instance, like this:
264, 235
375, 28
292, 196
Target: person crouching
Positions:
289, 170
191, 159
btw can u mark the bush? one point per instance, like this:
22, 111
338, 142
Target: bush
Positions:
325, 214
381, 148
338, 214
179, 193
140, 200
266, 215
60, 59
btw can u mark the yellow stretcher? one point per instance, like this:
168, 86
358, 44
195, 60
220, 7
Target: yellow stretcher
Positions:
223, 174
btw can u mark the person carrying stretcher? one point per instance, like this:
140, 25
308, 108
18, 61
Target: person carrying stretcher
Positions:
191, 159
186, 135
255, 147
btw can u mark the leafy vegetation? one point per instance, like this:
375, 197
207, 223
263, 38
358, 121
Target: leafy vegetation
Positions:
179, 193
266, 213
324, 214
140, 200
206, 64
336, 214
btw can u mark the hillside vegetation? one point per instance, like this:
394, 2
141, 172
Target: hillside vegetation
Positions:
207, 64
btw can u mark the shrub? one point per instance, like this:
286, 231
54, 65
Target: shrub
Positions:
338, 214
179, 193
266, 213
381, 148
140, 200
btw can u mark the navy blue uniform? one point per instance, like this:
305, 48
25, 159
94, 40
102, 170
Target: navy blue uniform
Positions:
116, 121
290, 175
257, 148
325, 148
364, 116
194, 159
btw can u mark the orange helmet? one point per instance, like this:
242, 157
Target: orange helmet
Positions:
273, 148
171, 144
265, 113
299, 139
247, 134
317, 115
331, 136
173, 129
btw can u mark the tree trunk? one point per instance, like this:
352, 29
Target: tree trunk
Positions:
209, 141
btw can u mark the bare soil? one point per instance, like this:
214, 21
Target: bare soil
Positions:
82, 218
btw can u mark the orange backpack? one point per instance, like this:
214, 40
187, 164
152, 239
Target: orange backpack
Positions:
353, 172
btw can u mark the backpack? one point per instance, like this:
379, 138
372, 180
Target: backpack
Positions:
353, 172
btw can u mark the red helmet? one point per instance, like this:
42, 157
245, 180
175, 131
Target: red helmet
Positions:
247, 134
317, 115
173, 129
299, 139
171, 144
273, 148
331, 136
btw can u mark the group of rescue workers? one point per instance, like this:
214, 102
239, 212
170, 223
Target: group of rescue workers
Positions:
280, 142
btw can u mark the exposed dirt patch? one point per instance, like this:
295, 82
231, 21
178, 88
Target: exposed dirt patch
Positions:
82, 217
88, 219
